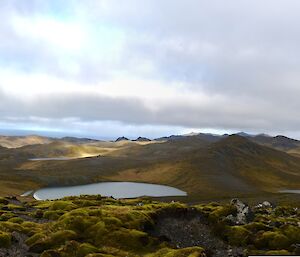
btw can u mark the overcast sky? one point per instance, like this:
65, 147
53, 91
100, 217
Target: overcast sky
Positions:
150, 67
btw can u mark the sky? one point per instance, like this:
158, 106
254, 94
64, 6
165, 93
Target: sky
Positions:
108, 68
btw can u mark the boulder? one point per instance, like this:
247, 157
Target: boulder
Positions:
267, 204
264, 207
243, 213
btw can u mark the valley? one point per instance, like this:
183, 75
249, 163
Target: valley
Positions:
195, 196
205, 166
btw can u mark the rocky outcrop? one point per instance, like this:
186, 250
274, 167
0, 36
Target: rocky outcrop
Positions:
243, 213
142, 139
188, 228
122, 139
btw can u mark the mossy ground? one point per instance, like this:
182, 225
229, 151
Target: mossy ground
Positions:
95, 226
272, 231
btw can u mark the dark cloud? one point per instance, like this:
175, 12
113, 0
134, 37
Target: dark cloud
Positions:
87, 108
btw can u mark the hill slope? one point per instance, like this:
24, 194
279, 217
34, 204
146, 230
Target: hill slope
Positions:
233, 166
19, 141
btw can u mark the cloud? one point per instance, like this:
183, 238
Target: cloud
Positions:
191, 64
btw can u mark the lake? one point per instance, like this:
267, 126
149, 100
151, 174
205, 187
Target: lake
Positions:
115, 189
292, 191
52, 159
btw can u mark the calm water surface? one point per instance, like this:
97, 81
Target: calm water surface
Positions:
52, 159
293, 191
115, 189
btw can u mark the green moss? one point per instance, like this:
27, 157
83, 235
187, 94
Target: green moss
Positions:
79, 212
42, 243
97, 232
285, 211
76, 223
292, 233
278, 252
31, 228
98, 226
38, 214
95, 212
221, 212
5, 240
135, 219
62, 205
51, 253
186, 252
10, 226
15, 207
85, 203
60, 237
238, 235
70, 248
3, 201
16, 220
52, 215
86, 248
272, 240
6, 216
130, 239
42, 204
35, 238
112, 222
256, 226
101, 255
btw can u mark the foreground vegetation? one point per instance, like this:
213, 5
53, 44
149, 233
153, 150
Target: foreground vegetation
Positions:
95, 226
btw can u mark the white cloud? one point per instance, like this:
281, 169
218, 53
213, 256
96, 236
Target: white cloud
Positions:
200, 64
65, 35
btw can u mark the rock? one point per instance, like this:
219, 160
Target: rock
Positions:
263, 205
267, 204
243, 213
230, 219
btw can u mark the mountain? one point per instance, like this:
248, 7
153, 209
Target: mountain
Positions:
278, 142
260, 166
142, 139
233, 166
243, 134
121, 139
204, 136
19, 141
78, 140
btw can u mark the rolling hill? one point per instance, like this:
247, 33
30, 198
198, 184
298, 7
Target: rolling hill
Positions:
19, 141
206, 169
